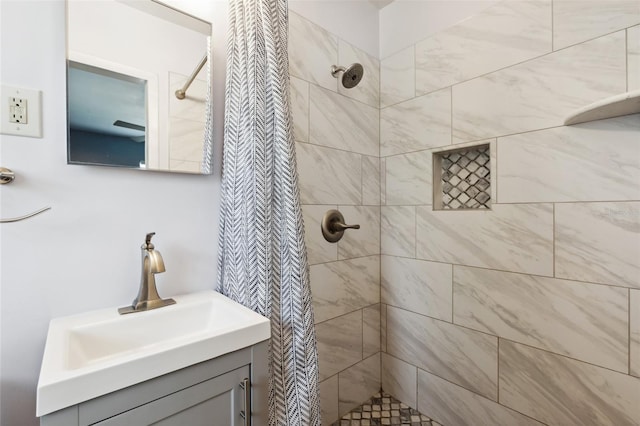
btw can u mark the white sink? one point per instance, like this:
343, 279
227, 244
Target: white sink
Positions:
92, 354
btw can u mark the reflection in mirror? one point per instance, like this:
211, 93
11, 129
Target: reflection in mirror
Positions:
126, 61
107, 117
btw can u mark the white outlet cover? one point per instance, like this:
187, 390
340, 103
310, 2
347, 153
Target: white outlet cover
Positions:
33, 128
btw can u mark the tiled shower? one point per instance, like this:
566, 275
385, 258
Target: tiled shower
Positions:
525, 311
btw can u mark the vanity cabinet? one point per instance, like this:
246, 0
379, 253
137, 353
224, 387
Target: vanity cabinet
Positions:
211, 393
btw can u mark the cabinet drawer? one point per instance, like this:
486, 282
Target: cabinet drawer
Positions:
215, 402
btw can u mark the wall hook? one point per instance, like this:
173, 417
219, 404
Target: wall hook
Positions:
6, 176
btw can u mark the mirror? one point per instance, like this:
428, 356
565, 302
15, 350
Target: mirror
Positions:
138, 86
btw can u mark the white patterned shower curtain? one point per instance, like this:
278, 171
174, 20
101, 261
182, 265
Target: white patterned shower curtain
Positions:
263, 262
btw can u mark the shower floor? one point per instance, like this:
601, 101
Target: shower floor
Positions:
384, 409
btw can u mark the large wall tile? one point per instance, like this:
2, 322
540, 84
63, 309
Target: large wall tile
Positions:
417, 124
599, 242
502, 35
344, 286
343, 123
300, 109
364, 241
398, 230
399, 379
593, 161
561, 391
312, 51
635, 332
371, 330
358, 383
409, 178
368, 90
450, 404
539, 93
633, 58
329, 400
318, 166
370, 181
339, 343
584, 321
319, 250
510, 237
578, 21
418, 286
397, 77
457, 354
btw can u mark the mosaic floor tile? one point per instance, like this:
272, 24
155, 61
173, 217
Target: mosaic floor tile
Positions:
384, 409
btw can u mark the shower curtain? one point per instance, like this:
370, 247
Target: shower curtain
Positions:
262, 260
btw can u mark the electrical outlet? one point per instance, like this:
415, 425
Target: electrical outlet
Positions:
20, 111
17, 110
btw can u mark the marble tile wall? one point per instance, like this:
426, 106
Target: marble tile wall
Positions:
527, 313
577, 21
502, 35
337, 148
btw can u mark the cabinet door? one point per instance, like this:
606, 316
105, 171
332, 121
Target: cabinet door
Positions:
215, 402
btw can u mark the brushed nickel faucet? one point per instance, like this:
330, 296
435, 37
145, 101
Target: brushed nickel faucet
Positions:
148, 297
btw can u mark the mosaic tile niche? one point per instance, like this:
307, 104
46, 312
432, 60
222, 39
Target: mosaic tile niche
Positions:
462, 178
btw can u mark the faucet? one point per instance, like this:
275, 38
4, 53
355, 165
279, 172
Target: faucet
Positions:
148, 297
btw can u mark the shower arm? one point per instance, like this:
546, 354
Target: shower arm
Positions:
335, 69
182, 93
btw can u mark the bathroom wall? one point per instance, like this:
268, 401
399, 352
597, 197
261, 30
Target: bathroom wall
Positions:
527, 313
84, 253
337, 143
420, 19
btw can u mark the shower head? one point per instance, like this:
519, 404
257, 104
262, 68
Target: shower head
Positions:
351, 75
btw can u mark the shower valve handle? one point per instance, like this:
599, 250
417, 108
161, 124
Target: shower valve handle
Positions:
333, 226
339, 226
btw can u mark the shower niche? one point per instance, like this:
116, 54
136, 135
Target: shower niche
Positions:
462, 178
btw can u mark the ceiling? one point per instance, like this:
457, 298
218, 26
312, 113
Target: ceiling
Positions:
380, 3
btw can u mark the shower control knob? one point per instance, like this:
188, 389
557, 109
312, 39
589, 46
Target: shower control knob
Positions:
333, 226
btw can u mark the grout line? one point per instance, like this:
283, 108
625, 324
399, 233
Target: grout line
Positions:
415, 232
361, 180
335, 149
553, 239
629, 325
498, 372
552, 26
362, 334
452, 293
415, 71
626, 56
417, 388
571, 280
451, 116
344, 260
345, 314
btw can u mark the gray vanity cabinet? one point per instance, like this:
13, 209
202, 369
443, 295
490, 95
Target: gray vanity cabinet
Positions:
211, 393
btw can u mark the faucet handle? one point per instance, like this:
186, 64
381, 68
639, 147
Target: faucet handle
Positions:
147, 241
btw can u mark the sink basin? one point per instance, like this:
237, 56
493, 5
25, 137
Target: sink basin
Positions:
92, 354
